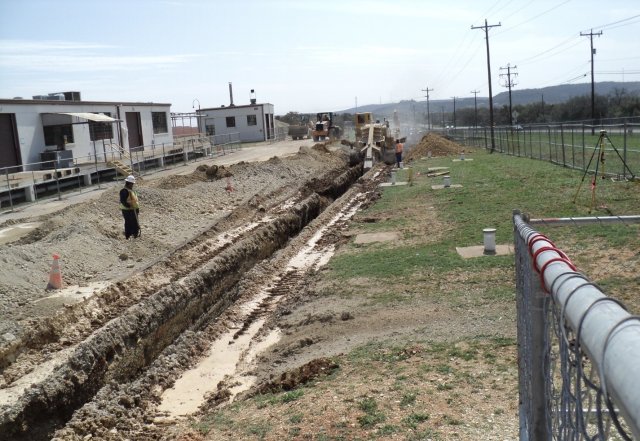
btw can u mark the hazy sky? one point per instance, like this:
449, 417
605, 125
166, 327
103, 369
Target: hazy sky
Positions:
304, 55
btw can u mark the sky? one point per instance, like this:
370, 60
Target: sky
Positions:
308, 56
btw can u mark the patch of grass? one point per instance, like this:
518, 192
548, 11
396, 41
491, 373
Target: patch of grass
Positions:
371, 415
219, 419
292, 396
413, 419
408, 399
296, 418
387, 429
259, 429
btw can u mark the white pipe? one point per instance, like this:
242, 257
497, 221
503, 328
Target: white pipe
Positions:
489, 241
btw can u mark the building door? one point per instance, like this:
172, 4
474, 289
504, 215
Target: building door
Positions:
9, 147
134, 127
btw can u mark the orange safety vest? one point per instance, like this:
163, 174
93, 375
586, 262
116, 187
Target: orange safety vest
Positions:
399, 147
132, 200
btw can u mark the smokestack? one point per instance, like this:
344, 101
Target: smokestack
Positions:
230, 94
252, 97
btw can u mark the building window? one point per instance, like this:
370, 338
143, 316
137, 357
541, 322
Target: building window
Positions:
209, 127
100, 130
159, 120
58, 135
252, 120
231, 121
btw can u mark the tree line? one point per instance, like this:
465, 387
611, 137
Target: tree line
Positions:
620, 103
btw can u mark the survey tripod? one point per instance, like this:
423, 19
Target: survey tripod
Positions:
600, 143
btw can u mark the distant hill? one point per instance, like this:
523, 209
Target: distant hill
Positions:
551, 95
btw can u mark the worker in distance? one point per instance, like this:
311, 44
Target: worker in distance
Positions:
130, 208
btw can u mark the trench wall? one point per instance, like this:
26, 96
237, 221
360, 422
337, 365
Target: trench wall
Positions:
127, 344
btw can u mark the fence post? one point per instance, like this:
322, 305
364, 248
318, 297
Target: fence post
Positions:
533, 360
584, 163
564, 160
624, 151
550, 145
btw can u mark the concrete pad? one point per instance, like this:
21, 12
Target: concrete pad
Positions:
478, 251
441, 186
463, 160
390, 184
377, 237
433, 169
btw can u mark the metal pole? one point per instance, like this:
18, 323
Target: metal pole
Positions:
6, 171
55, 169
590, 220
95, 160
624, 150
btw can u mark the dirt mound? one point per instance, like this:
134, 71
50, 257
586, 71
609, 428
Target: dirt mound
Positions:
436, 144
202, 173
302, 375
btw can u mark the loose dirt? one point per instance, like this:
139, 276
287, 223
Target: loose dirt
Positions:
434, 145
292, 372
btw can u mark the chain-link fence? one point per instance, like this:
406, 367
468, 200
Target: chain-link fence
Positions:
578, 146
578, 350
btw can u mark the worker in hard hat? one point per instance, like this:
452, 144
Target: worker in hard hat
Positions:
130, 208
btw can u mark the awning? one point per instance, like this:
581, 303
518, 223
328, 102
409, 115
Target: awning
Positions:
99, 117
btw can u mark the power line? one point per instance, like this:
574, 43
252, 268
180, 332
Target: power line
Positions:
577, 41
534, 17
604, 26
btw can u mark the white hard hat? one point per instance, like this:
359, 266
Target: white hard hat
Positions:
131, 179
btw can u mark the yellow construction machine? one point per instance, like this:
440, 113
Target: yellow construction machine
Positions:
324, 128
374, 139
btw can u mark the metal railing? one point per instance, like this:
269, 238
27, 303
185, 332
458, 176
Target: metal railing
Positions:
578, 350
570, 145
46, 178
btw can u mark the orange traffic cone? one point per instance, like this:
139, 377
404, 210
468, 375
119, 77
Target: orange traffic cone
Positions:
55, 278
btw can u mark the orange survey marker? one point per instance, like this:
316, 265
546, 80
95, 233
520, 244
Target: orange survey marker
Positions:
55, 278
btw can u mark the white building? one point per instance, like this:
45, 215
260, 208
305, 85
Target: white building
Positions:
31, 131
252, 122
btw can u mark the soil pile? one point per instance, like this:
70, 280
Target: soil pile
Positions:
436, 144
89, 237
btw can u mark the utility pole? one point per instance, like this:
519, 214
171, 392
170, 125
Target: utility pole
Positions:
442, 108
510, 83
475, 106
454, 111
486, 28
428, 112
593, 94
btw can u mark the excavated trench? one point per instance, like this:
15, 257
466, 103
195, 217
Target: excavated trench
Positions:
125, 346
